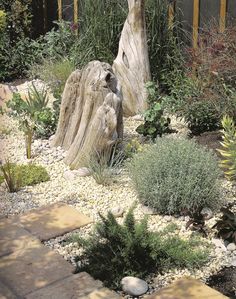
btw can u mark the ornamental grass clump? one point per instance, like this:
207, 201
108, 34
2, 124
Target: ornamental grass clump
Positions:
177, 176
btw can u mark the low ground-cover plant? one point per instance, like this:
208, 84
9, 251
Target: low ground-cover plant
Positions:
228, 153
177, 176
226, 225
114, 251
155, 123
20, 175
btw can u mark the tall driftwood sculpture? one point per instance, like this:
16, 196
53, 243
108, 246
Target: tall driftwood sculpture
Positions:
131, 66
91, 113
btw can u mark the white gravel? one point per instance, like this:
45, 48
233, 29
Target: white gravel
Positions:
90, 198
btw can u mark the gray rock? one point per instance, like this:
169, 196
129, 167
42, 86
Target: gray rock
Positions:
219, 244
148, 211
231, 247
117, 211
207, 213
134, 286
69, 175
83, 171
233, 262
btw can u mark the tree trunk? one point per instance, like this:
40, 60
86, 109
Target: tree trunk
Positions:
131, 66
91, 115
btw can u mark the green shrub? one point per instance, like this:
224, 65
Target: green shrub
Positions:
155, 123
33, 113
164, 47
27, 175
53, 72
176, 176
114, 251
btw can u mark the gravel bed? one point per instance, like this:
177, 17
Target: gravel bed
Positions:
90, 198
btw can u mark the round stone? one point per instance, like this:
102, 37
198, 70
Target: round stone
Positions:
117, 211
207, 213
231, 247
134, 286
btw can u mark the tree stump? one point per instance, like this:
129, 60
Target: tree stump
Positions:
91, 117
131, 66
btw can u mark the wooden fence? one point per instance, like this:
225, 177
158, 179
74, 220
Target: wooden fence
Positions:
194, 14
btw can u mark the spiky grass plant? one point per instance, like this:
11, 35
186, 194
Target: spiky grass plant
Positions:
228, 153
12, 180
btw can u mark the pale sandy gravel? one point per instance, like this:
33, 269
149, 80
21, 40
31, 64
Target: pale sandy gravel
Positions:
88, 197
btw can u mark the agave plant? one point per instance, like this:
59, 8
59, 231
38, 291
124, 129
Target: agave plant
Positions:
228, 163
226, 226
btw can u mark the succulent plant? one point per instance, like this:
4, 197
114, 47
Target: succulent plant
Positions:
228, 163
226, 225
197, 223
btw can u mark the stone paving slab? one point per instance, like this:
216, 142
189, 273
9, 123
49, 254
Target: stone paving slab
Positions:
52, 221
74, 286
29, 269
103, 293
13, 238
6, 293
187, 288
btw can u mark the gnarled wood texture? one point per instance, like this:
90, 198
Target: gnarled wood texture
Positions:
131, 66
91, 115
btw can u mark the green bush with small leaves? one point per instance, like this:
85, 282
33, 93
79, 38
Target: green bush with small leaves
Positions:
176, 176
27, 174
114, 250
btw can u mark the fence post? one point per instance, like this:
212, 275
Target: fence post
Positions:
171, 15
195, 22
45, 16
222, 15
76, 15
59, 4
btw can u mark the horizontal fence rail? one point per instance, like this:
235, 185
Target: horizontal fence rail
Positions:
193, 14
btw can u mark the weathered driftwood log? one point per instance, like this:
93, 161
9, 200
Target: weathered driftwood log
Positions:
131, 66
91, 115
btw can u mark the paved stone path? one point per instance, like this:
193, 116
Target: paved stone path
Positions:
29, 270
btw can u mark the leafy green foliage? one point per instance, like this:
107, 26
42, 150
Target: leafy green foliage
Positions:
11, 179
114, 250
228, 153
33, 113
226, 225
176, 176
2, 20
155, 123
164, 47
23, 175
54, 73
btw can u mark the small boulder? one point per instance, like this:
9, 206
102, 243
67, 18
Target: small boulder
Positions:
134, 286
148, 211
69, 175
207, 213
83, 171
231, 247
117, 211
219, 244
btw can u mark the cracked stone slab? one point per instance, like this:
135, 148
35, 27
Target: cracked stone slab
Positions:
103, 293
30, 269
6, 293
74, 286
187, 288
13, 238
52, 221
